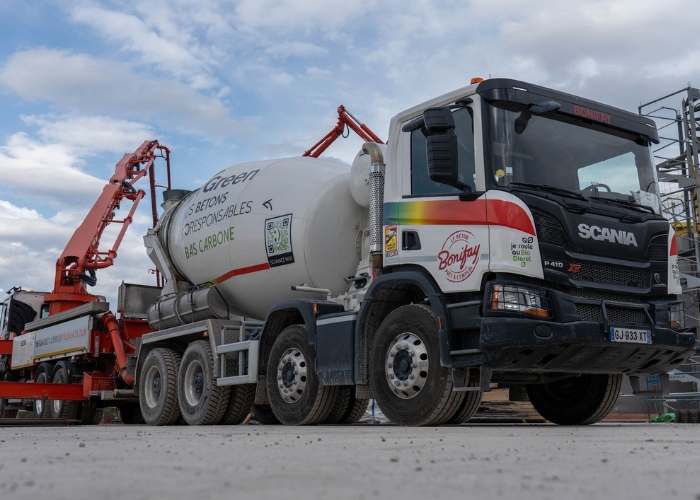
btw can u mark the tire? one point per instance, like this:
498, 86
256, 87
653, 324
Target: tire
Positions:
265, 415
6, 412
340, 405
201, 402
296, 397
89, 415
158, 387
469, 406
408, 339
42, 407
60, 408
356, 409
581, 400
131, 414
240, 400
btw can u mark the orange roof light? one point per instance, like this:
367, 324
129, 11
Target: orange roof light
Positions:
477, 80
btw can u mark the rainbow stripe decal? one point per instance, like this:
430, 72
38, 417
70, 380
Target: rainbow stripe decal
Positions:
454, 212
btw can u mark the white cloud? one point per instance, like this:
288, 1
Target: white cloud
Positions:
294, 49
45, 172
156, 40
82, 84
91, 134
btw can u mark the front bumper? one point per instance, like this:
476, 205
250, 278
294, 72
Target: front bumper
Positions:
533, 345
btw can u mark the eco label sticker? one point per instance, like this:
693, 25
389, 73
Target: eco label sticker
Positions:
278, 240
390, 241
459, 256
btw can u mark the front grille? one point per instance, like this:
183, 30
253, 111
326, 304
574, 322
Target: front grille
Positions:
549, 230
606, 274
586, 293
658, 248
625, 316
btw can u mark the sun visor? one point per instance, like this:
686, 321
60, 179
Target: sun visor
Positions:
501, 89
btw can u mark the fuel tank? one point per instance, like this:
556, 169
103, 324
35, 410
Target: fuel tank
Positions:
255, 229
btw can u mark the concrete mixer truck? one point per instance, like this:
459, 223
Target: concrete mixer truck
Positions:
507, 234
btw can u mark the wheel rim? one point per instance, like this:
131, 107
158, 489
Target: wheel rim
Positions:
291, 375
194, 383
39, 405
407, 365
57, 403
153, 385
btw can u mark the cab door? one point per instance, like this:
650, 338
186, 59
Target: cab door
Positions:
429, 226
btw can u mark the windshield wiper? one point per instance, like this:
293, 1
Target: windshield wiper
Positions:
626, 203
549, 189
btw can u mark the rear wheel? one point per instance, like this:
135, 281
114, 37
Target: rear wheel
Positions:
201, 402
241, 398
58, 407
158, 387
42, 406
296, 397
580, 400
6, 412
265, 415
407, 380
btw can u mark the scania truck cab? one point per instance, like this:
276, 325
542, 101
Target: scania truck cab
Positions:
529, 223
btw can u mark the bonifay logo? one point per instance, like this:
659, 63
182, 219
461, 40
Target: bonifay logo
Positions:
459, 256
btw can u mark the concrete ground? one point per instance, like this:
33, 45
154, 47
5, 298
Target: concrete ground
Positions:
364, 462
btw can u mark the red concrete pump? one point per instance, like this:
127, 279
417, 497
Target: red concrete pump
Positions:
77, 349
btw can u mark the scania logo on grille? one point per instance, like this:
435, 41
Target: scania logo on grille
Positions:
606, 234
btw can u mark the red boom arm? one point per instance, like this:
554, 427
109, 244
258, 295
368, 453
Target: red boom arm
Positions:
344, 118
82, 254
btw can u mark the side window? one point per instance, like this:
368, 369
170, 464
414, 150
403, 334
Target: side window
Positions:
420, 180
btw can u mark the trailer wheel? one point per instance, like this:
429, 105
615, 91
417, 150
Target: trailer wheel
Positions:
60, 408
407, 380
158, 387
240, 400
89, 415
580, 400
265, 415
42, 406
201, 402
296, 397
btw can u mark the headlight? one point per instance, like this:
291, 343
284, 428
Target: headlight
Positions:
676, 315
511, 298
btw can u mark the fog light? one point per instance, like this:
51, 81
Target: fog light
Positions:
518, 299
676, 315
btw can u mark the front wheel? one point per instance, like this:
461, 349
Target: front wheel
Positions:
580, 400
407, 380
296, 397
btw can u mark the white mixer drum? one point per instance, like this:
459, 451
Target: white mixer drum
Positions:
258, 228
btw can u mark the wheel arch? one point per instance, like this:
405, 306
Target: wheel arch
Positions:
387, 293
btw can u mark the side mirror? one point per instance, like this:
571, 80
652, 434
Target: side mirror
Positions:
443, 166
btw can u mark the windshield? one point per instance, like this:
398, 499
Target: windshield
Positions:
563, 152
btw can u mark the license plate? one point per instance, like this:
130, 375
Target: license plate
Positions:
630, 335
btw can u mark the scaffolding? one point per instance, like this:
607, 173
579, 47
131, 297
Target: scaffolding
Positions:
676, 163
677, 116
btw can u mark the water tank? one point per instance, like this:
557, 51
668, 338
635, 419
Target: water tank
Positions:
258, 228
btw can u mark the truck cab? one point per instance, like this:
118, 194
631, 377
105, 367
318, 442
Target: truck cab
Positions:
535, 218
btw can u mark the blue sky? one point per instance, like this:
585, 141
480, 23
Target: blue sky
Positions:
222, 82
